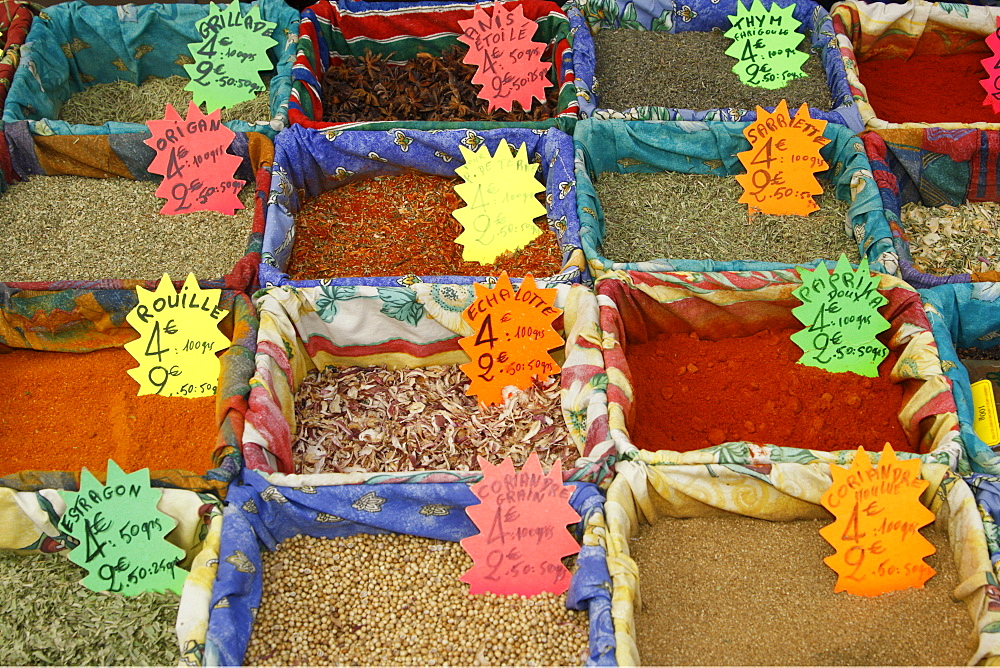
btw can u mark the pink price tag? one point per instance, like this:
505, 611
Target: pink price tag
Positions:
992, 64
192, 156
510, 64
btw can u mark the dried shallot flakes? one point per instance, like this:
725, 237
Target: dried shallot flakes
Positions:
953, 239
373, 419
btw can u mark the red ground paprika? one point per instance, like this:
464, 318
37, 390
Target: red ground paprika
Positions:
691, 393
63, 411
928, 88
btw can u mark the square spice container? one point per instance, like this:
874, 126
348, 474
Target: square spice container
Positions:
748, 314
921, 60
309, 163
306, 329
127, 157
260, 516
332, 31
626, 147
646, 493
93, 322
73, 46
932, 167
966, 325
587, 17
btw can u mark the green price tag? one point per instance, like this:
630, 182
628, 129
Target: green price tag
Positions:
840, 312
121, 534
228, 60
765, 45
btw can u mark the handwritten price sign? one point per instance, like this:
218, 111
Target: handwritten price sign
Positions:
510, 64
230, 56
513, 337
876, 533
522, 537
783, 155
992, 65
178, 339
120, 534
765, 45
841, 315
192, 156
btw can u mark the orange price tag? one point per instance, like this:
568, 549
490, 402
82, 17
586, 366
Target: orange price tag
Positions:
783, 156
522, 537
513, 337
876, 533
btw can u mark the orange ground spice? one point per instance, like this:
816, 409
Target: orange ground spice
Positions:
397, 225
63, 411
691, 393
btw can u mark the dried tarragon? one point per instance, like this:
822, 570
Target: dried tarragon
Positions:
953, 239
361, 419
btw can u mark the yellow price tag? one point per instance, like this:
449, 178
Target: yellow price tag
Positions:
985, 407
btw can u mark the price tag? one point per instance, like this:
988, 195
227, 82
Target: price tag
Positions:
985, 407
840, 312
783, 155
192, 156
178, 340
522, 537
513, 336
992, 65
510, 64
499, 192
765, 45
228, 60
876, 530
121, 534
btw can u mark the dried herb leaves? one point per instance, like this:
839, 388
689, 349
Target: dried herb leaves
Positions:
354, 419
697, 217
948, 239
427, 88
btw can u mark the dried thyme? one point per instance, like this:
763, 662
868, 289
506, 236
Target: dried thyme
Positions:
76, 228
948, 239
697, 217
48, 618
124, 102
689, 70
375, 419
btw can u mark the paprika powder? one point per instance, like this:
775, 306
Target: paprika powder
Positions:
65, 411
690, 393
390, 225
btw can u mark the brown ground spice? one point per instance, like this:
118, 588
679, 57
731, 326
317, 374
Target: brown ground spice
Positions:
63, 411
741, 591
393, 225
691, 393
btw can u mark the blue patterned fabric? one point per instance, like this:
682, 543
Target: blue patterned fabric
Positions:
965, 315
986, 489
262, 515
309, 162
74, 45
674, 16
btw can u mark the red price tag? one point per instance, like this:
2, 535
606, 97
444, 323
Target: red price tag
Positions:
192, 156
522, 519
992, 64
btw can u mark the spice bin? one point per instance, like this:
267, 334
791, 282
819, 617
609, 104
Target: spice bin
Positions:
332, 31
592, 16
93, 321
919, 169
628, 147
261, 515
648, 492
921, 62
74, 45
966, 324
414, 327
127, 157
309, 163
730, 308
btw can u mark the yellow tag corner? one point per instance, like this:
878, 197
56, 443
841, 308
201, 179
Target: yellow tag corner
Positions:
984, 406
